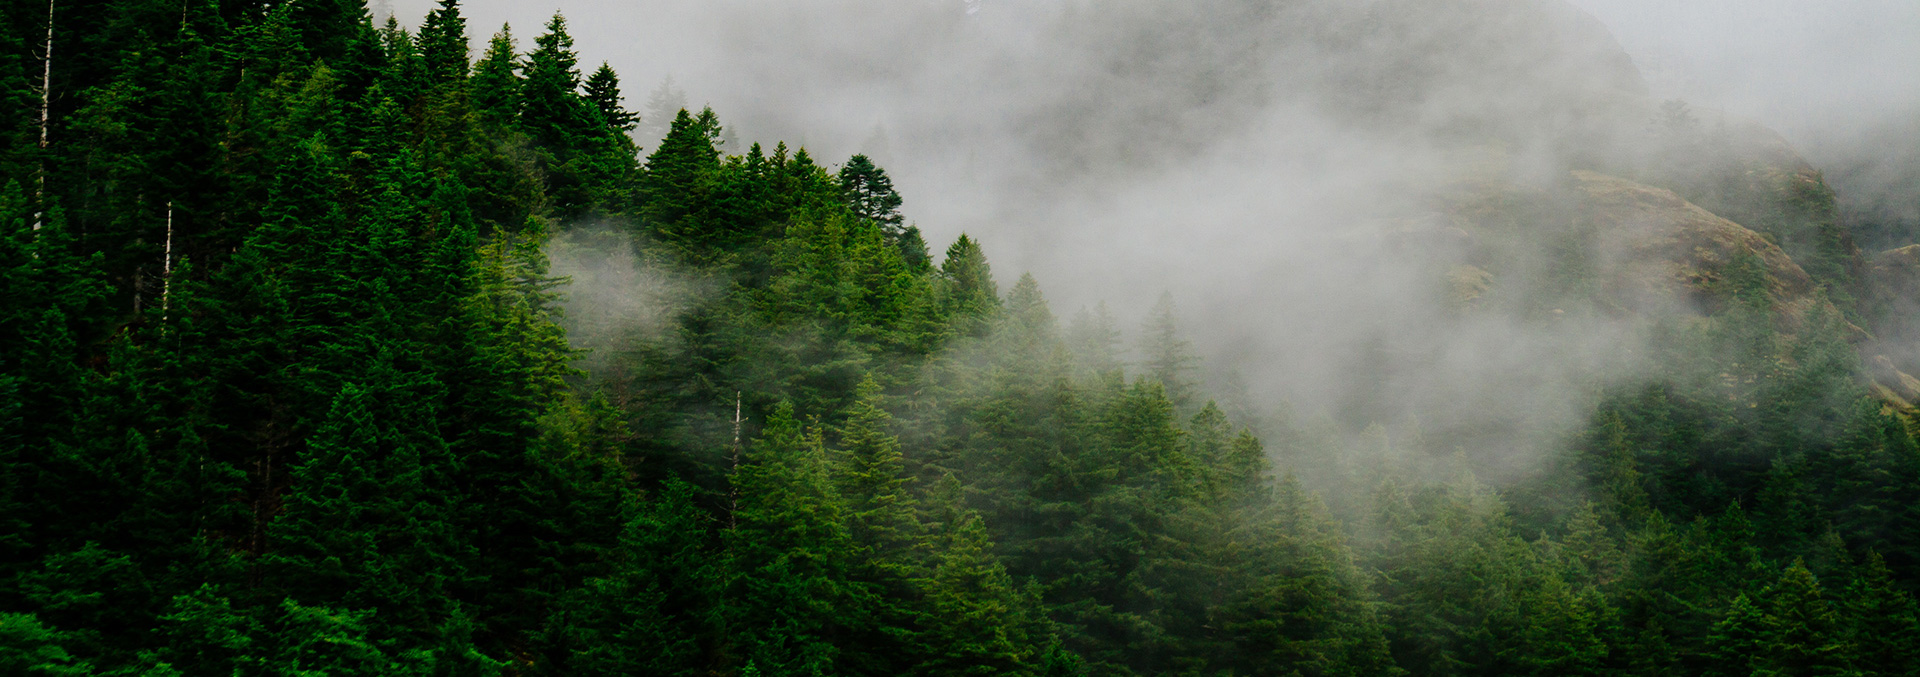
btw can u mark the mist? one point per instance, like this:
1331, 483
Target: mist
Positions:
1290, 172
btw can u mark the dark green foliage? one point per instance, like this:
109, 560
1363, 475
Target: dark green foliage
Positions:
870, 194
585, 158
29, 648
603, 90
790, 557
443, 44
495, 84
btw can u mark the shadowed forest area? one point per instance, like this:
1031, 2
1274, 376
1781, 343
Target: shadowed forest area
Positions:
328, 348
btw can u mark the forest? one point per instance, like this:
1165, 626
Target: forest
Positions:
289, 385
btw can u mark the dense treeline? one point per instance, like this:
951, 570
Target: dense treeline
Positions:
286, 389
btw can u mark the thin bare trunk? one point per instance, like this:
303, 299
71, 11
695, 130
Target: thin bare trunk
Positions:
734, 492
46, 105
166, 266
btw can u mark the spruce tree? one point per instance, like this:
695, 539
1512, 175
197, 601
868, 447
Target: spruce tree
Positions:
443, 44
603, 90
1165, 355
871, 474
663, 106
970, 295
495, 84
790, 559
870, 194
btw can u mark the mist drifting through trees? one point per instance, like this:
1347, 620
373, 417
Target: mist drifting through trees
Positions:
984, 337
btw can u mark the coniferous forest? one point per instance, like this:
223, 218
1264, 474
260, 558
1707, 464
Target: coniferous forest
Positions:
288, 387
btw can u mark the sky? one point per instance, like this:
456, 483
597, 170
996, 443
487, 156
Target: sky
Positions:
1119, 149
1805, 68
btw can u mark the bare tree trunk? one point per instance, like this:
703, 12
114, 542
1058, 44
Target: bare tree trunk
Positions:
166, 266
46, 105
733, 495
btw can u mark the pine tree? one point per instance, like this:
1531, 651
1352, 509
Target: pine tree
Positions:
674, 185
1166, 356
1095, 340
790, 560
443, 44
1885, 622
583, 159
653, 611
976, 620
870, 194
970, 295
913, 250
496, 84
1806, 635
554, 114
872, 476
663, 106
603, 90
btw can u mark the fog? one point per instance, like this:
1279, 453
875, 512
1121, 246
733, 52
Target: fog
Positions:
1837, 78
1280, 167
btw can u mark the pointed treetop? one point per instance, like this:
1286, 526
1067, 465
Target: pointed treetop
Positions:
603, 90
496, 82
443, 43
553, 56
1165, 354
663, 104
870, 194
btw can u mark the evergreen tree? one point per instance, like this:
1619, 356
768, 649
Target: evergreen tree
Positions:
1166, 356
790, 560
970, 295
654, 610
872, 476
496, 84
553, 112
976, 620
1885, 622
1095, 340
443, 44
870, 194
663, 106
603, 90
677, 177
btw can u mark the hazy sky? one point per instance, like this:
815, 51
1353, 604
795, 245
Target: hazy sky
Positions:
1798, 65
1806, 68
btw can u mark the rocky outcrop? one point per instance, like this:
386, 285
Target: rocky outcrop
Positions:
1615, 244
1667, 246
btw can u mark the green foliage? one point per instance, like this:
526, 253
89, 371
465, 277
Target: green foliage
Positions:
603, 90
29, 648
870, 194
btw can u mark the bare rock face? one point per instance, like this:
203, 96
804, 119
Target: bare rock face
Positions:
1617, 245
1668, 246
1896, 272
1893, 283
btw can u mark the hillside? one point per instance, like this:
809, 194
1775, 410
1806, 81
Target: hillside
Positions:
334, 349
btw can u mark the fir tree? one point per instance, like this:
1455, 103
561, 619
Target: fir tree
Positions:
443, 44
496, 84
870, 194
1165, 355
603, 90
790, 559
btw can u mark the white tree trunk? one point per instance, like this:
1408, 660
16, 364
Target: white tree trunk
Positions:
166, 266
46, 105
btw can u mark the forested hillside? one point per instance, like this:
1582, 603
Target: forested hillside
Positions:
289, 386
